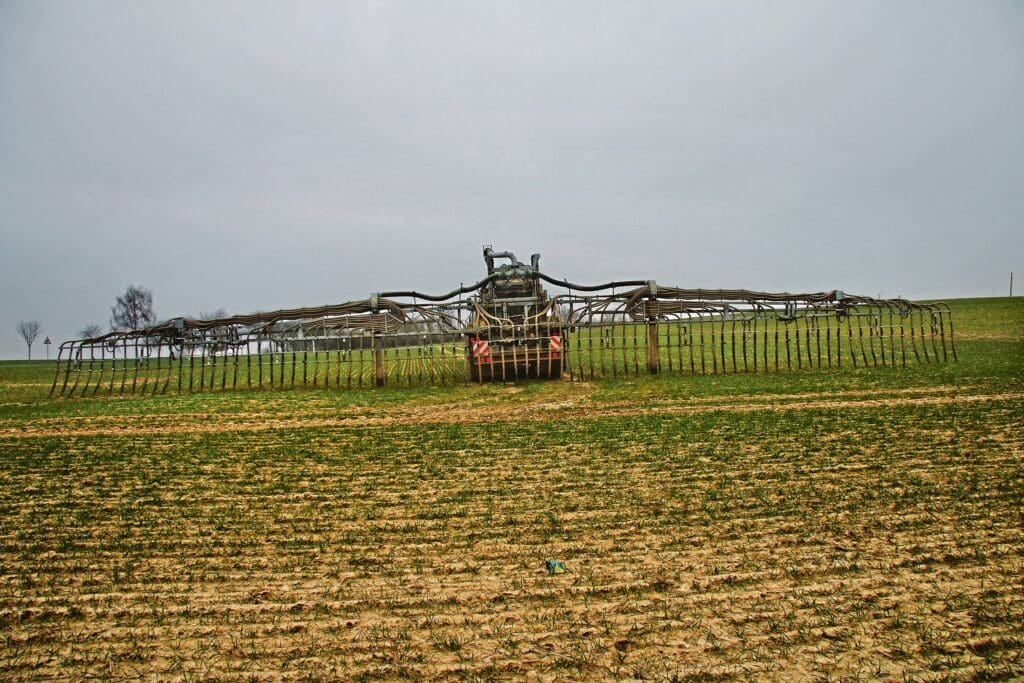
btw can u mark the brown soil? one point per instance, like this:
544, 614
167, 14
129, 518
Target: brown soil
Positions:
762, 546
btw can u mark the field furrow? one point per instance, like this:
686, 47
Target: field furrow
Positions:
848, 524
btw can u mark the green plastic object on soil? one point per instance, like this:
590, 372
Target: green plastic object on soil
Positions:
555, 567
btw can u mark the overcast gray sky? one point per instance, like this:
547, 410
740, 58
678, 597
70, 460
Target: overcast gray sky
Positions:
251, 155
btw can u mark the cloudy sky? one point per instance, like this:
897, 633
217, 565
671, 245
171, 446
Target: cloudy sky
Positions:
252, 155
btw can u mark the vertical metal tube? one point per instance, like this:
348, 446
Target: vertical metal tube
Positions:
353, 370
578, 333
689, 337
653, 355
808, 335
880, 333
860, 337
366, 367
124, 367
211, 361
952, 343
282, 361
67, 367
611, 342
903, 340
849, 338
316, 363
170, 367
817, 338
202, 366
433, 369
159, 366
700, 321
99, 379
378, 359
753, 325
828, 342
636, 350
259, 360
442, 371
515, 362
551, 353
714, 347
76, 353
139, 365
789, 362
408, 363
337, 358
839, 342
92, 362
224, 373
181, 365
348, 357
680, 340
590, 343
924, 339
743, 330
732, 340
799, 353
114, 363
721, 339
776, 345
871, 335
56, 371
764, 342
913, 336
892, 336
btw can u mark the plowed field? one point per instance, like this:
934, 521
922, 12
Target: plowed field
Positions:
847, 524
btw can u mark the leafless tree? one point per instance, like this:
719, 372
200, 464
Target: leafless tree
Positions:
132, 310
90, 331
211, 315
29, 330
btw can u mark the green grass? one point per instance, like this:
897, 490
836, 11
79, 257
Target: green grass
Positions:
1000, 317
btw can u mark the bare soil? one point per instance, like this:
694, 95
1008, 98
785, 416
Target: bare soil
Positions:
874, 535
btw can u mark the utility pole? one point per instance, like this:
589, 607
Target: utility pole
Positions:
1011, 283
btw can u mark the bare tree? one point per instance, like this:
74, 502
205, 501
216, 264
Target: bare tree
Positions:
29, 330
132, 310
90, 331
211, 315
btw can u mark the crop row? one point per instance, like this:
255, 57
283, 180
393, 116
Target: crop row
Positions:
817, 543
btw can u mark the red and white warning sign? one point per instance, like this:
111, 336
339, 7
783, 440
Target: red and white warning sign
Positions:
555, 346
481, 350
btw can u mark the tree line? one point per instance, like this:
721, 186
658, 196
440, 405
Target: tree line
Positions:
132, 310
